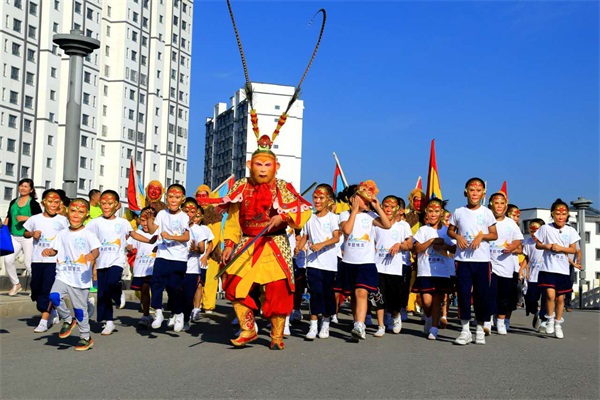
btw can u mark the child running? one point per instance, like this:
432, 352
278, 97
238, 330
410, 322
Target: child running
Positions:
433, 247
75, 249
473, 227
43, 228
322, 233
532, 264
557, 240
357, 273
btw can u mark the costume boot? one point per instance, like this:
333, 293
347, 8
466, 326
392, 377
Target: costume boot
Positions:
277, 325
246, 318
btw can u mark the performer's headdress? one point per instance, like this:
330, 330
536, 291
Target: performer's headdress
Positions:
265, 142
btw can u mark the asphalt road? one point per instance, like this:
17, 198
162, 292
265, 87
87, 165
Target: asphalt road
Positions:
146, 364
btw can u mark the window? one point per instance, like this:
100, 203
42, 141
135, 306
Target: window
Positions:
154, 167
173, 74
102, 150
57, 5
8, 193
142, 98
144, 22
14, 73
108, 31
47, 184
184, 7
29, 77
17, 4
175, 20
134, 36
159, 56
107, 51
50, 140
53, 72
129, 152
11, 145
178, 149
54, 49
109, 11
175, 39
28, 102
144, 41
48, 163
138, 156
597, 258
140, 136
32, 32
78, 7
10, 169
84, 141
55, 27
88, 33
85, 119
170, 147
131, 114
86, 98
135, 17
183, 42
16, 25
170, 164
183, 25
53, 95
16, 49
107, 71
144, 60
14, 97
82, 162
171, 110
141, 118
12, 121
90, 14
33, 9
133, 55
587, 237
24, 172
81, 184
160, 19
87, 77
51, 117
102, 170
26, 148
177, 167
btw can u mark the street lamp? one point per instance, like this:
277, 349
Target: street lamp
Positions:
581, 205
76, 46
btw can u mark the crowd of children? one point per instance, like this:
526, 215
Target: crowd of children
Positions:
365, 254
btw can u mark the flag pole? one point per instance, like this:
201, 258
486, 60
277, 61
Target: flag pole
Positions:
337, 161
222, 183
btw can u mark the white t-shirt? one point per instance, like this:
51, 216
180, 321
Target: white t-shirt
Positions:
49, 226
384, 240
469, 223
145, 256
430, 262
557, 263
71, 265
174, 225
406, 256
113, 234
359, 247
535, 257
318, 230
505, 264
198, 234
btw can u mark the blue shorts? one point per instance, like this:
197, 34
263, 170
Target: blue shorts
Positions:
356, 276
432, 285
138, 281
560, 283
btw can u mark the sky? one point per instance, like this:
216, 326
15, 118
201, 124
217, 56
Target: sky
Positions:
508, 90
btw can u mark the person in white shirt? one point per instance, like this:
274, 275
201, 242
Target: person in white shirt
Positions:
505, 261
435, 266
357, 273
321, 232
531, 266
473, 227
557, 240
43, 228
75, 249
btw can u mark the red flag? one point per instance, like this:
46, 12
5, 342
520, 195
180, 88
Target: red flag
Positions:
433, 179
135, 191
339, 179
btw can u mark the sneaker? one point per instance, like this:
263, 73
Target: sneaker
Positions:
443, 323
334, 319
54, 318
403, 315
84, 344
65, 330
195, 315
501, 328
487, 328
109, 327
433, 332
42, 327
324, 331
91, 306
358, 332
171, 322
368, 321
15, 289
122, 301
480, 337
380, 331
543, 327
558, 331
550, 326
464, 338
158, 319
397, 324
427, 325
286, 330
145, 321
312, 331
94, 289
178, 325
296, 315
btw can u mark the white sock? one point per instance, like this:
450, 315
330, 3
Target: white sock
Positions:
500, 322
479, 328
43, 322
465, 325
314, 322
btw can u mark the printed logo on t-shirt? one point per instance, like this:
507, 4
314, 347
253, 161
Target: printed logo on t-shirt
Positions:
145, 259
77, 265
360, 242
80, 244
110, 247
44, 242
496, 248
480, 220
365, 223
176, 227
57, 225
118, 229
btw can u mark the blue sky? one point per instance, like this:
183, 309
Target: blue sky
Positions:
509, 90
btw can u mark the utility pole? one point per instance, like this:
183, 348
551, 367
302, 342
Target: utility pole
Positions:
581, 205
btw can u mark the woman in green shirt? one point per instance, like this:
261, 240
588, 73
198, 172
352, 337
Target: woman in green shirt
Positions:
19, 211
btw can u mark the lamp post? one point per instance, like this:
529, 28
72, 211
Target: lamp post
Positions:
76, 46
581, 205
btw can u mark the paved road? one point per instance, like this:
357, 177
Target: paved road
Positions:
201, 364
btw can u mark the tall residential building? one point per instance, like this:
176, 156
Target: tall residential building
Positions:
230, 140
135, 100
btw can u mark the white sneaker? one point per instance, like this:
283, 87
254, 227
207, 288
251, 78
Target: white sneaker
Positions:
296, 315
324, 331
15, 289
558, 331
208, 311
358, 331
286, 330
109, 327
368, 321
158, 318
397, 324
91, 306
334, 319
542, 328
501, 327
464, 338
122, 301
480, 337
550, 326
433, 332
195, 315
380, 331
145, 321
427, 325
171, 321
312, 331
42, 326
487, 328
178, 325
